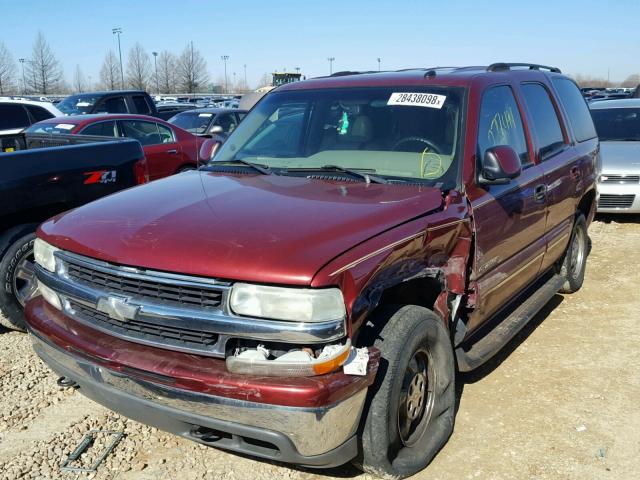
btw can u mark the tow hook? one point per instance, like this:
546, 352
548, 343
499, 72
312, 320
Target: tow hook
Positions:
65, 382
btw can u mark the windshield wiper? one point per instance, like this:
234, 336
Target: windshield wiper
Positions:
263, 169
368, 178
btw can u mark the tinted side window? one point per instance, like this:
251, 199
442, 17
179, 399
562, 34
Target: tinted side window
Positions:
227, 121
13, 116
38, 113
500, 123
102, 129
576, 107
145, 132
544, 119
141, 104
113, 105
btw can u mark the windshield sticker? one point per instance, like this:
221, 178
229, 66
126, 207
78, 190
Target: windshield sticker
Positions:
65, 126
430, 100
205, 115
343, 124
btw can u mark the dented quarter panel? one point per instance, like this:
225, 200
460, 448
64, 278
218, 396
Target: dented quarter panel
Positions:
434, 245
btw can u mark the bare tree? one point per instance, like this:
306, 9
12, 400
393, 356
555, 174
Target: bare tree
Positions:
192, 70
7, 70
44, 69
631, 80
110, 71
79, 82
167, 78
589, 81
265, 80
138, 67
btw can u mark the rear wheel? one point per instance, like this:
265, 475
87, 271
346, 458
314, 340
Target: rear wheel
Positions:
574, 263
19, 285
412, 407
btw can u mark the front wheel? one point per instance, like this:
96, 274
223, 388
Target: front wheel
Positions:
574, 263
412, 407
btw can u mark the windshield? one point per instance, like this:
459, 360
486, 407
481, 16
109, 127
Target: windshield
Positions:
617, 123
402, 133
193, 122
78, 104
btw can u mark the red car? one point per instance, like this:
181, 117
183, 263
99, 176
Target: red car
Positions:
168, 149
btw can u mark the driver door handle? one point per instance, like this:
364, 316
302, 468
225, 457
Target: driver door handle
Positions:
540, 192
172, 151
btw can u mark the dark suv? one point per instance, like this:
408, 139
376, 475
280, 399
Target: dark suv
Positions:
310, 294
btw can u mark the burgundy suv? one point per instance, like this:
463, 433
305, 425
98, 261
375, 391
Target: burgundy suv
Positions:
309, 295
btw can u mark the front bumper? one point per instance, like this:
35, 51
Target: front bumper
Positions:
611, 197
315, 436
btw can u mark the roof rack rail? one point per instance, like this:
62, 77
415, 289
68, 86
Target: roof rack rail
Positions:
348, 72
499, 67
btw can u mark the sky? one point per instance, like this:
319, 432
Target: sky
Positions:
581, 37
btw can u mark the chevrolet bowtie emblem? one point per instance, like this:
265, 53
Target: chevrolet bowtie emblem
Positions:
117, 308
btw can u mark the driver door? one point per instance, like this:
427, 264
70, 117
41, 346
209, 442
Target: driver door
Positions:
509, 218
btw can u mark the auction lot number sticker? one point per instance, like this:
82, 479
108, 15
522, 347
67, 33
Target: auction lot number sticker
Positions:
430, 100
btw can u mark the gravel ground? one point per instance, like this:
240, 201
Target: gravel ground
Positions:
559, 403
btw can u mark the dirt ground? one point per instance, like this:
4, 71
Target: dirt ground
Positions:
561, 402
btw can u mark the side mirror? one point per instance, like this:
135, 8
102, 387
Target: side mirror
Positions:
209, 148
216, 130
500, 165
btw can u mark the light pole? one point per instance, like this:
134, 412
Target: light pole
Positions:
298, 69
224, 59
331, 59
378, 63
234, 80
246, 85
24, 81
117, 31
155, 63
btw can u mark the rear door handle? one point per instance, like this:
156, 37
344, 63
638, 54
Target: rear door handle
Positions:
540, 193
172, 151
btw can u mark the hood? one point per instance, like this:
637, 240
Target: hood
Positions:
620, 157
258, 228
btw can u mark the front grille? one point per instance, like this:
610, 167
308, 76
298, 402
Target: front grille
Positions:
607, 178
616, 201
144, 287
136, 329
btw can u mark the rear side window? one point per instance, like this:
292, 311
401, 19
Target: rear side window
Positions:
141, 104
576, 108
544, 118
39, 113
102, 129
13, 116
500, 123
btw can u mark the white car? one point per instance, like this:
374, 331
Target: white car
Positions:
16, 115
618, 125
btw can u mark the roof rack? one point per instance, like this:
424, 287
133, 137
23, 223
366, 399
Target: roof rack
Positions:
347, 72
500, 67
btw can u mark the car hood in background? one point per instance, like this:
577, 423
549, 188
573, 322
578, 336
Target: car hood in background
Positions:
620, 157
259, 228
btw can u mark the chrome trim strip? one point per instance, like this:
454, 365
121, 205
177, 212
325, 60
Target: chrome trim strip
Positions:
394, 244
313, 431
213, 320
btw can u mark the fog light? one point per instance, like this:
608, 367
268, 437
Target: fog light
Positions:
49, 295
290, 364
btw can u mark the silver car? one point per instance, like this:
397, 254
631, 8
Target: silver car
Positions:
618, 126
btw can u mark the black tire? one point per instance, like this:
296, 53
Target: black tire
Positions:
400, 438
13, 288
574, 262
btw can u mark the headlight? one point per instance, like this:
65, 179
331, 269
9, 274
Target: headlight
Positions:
295, 304
43, 253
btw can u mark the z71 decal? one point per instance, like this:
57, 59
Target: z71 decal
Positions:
100, 176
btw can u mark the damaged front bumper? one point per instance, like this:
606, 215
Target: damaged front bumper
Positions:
317, 435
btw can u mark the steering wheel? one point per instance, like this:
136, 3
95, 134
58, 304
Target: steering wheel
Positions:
432, 146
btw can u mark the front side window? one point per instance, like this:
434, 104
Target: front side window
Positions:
145, 132
621, 124
227, 121
544, 119
402, 132
500, 123
113, 105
